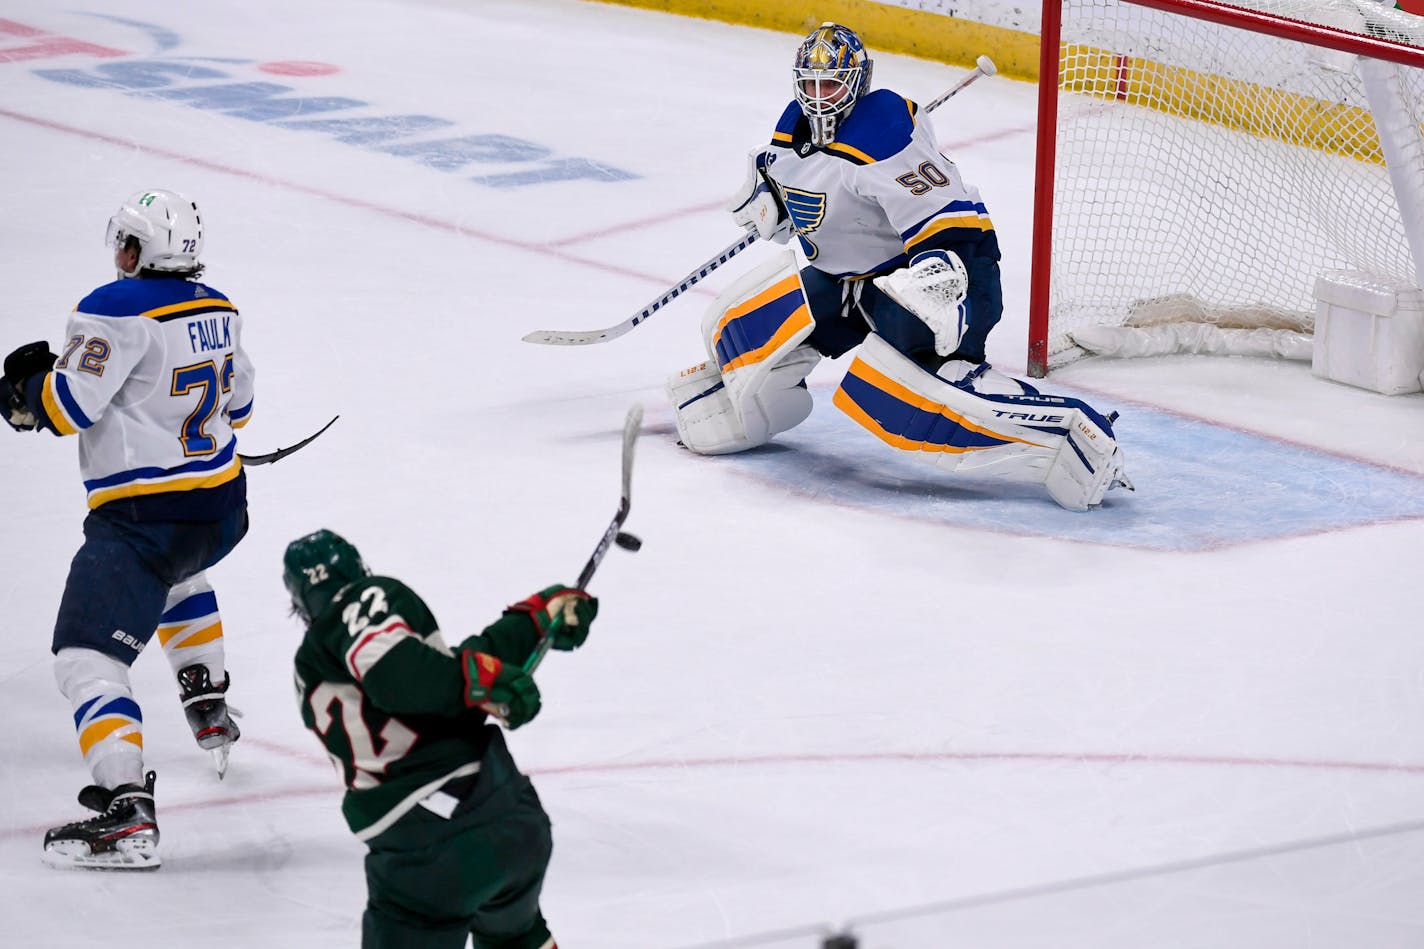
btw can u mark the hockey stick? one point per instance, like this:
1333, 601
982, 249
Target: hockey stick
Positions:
281, 453
578, 338
613, 534
984, 66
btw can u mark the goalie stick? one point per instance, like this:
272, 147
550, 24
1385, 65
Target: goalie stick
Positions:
584, 338
984, 66
613, 534
281, 453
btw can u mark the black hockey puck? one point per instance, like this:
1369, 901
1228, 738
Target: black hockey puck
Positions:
628, 541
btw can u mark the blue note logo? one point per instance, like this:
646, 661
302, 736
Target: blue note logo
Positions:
807, 210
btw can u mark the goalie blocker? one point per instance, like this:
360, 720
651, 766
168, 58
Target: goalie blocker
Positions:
753, 387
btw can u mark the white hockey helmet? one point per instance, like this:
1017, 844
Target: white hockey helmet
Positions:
168, 228
832, 72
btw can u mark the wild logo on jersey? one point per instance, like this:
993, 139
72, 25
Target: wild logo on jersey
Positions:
807, 210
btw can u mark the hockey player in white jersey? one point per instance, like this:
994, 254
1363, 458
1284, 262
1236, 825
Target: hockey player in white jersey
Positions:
153, 379
901, 261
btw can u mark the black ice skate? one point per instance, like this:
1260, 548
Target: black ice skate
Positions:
207, 712
123, 837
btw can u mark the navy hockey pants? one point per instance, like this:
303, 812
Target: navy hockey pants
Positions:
841, 325
119, 579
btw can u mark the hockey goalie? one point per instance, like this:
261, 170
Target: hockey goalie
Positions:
752, 387
902, 266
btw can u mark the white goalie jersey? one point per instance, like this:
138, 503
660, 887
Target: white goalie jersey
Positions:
877, 195
153, 379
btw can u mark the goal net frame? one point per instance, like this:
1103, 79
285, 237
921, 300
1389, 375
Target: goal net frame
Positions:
1369, 47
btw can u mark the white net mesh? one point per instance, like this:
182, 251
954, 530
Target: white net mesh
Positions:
1209, 173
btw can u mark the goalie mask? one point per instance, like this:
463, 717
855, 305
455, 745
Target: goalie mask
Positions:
316, 567
832, 72
168, 228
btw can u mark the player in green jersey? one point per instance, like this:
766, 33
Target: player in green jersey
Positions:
458, 841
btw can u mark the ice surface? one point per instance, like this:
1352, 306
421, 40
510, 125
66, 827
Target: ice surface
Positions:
831, 685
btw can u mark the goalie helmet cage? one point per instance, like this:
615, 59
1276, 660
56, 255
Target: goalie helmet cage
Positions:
1207, 162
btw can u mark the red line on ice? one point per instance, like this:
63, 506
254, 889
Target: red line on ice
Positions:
333, 790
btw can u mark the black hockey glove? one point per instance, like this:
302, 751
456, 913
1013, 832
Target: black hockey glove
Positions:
16, 413
29, 360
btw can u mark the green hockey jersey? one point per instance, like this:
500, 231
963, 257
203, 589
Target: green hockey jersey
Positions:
386, 697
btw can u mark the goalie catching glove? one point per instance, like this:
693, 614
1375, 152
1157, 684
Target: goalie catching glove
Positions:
492, 683
933, 288
756, 206
563, 612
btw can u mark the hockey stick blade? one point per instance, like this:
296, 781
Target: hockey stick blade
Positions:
281, 453
632, 425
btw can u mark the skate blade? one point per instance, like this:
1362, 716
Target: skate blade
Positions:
127, 855
220, 759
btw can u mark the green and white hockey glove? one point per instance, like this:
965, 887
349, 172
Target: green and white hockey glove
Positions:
575, 607
503, 690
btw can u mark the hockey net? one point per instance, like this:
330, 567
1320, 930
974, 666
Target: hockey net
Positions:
1200, 165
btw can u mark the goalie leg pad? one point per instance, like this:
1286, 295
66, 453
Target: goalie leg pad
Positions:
706, 422
756, 323
1088, 464
753, 384
709, 422
1061, 443
915, 411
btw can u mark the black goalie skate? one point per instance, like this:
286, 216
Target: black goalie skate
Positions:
123, 837
207, 712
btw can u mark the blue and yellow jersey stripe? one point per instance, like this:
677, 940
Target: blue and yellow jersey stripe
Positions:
188, 309
61, 407
851, 152
240, 416
160, 300
957, 220
879, 126
138, 482
752, 330
785, 133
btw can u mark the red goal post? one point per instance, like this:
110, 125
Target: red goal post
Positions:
1206, 162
